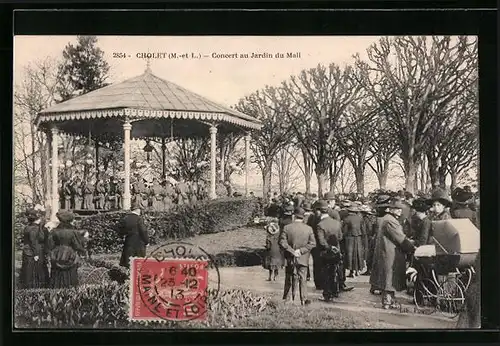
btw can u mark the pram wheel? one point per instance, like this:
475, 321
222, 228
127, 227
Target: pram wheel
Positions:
425, 294
451, 297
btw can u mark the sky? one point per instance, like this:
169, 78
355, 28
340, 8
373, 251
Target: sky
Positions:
222, 80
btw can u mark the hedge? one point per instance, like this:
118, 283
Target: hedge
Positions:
106, 306
182, 222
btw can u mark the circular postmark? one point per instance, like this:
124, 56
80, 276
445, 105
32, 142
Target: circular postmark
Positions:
173, 282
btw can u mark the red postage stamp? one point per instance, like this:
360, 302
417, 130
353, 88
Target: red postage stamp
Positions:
168, 289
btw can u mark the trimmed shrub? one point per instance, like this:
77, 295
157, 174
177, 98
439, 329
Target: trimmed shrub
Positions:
184, 221
106, 306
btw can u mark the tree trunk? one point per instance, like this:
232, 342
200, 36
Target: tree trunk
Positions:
410, 167
418, 166
433, 169
454, 179
382, 178
359, 174
307, 170
322, 175
333, 179
422, 174
442, 174
266, 178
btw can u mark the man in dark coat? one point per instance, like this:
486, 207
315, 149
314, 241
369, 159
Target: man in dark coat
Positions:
462, 199
329, 235
330, 198
297, 239
388, 271
351, 233
134, 230
286, 215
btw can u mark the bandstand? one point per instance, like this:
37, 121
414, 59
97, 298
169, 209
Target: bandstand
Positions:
144, 107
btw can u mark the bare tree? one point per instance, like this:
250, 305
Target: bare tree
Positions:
274, 133
346, 181
36, 91
317, 101
382, 149
359, 117
414, 79
336, 168
190, 152
233, 155
287, 170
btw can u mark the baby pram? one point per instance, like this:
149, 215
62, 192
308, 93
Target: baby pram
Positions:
442, 271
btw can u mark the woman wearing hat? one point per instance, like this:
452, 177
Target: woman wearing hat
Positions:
389, 266
34, 272
420, 223
463, 199
274, 257
440, 205
67, 245
351, 230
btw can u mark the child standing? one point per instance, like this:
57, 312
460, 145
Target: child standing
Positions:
274, 257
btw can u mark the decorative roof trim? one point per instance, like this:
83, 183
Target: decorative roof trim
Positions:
147, 113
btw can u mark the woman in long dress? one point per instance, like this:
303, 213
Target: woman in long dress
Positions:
67, 245
274, 257
34, 271
351, 230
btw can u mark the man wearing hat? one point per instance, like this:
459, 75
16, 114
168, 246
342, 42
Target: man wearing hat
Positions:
330, 198
462, 199
329, 236
134, 230
308, 220
389, 266
286, 215
368, 236
297, 239
351, 232
88, 194
78, 187
440, 205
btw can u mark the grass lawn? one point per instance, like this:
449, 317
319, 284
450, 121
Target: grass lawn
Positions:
241, 247
290, 316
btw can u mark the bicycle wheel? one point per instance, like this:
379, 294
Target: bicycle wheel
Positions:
425, 294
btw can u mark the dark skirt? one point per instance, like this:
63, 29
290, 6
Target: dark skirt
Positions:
64, 278
34, 274
354, 253
366, 247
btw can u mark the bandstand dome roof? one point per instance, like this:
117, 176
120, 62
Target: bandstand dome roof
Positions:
157, 108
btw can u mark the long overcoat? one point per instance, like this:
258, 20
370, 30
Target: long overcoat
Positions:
389, 267
136, 238
351, 230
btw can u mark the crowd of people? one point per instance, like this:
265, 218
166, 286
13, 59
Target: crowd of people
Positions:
349, 235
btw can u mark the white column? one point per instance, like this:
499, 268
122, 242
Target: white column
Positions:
247, 161
127, 127
222, 161
55, 167
213, 158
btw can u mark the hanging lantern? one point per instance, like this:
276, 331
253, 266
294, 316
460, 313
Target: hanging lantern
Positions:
148, 148
69, 163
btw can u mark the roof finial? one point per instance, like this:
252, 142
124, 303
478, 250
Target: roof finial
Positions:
148, 65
